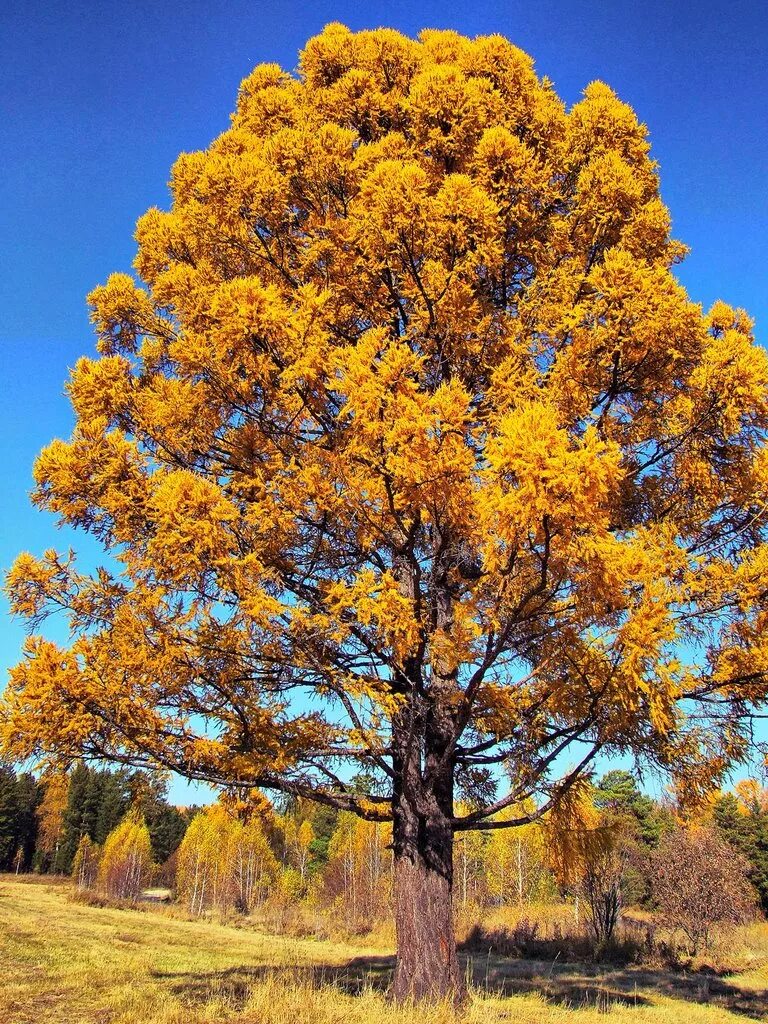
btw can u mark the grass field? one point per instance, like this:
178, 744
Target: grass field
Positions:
69, 963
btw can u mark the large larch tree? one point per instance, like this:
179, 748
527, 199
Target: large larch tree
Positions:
413, 462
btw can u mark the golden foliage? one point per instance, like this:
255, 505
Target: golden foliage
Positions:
357, 878
50, 814
517, 865
85, 866
224, 862
406, 409
125, 865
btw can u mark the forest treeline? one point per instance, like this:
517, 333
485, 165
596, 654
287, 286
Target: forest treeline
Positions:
42, 820
116, 831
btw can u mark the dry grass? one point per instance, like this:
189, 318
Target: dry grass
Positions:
69, 963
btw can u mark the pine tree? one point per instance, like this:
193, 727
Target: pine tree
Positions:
618, 793
9, 814
91, 806
72, 828
167, 826
166, 823
324, 820
746, 829
28, 797
112, 798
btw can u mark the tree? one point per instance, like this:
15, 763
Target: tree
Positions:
9, 816
618, 794
96, 803
752, 796
28, 797
600, 884
357, 875
166, 824
111, 791
700, 881
323, 825
254, 866
516, 864
585, 851
470, 868
745, 826
73, 827
201, 861
304, 838
638, 823
85, 866
50, 820
125, 866
413, 459
224, 863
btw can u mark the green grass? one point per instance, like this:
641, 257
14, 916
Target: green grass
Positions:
70, 963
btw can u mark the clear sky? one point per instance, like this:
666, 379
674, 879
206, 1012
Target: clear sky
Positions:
97, 98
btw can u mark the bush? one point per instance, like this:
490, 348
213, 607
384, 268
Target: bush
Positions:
699, 881
600, 887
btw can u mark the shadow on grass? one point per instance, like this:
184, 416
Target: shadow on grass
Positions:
233, 984
575, 985
582, 985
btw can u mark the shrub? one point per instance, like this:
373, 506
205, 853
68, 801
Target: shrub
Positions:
700, 881
600, 887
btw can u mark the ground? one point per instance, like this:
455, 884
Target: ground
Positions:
63, 962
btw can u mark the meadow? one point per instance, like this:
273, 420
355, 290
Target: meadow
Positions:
68, 962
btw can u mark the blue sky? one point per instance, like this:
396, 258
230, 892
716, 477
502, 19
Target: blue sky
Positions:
98, 98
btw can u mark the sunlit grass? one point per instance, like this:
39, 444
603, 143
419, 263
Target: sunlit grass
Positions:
67, 962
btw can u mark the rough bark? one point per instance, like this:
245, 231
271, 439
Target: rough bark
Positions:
427, 963
422, 810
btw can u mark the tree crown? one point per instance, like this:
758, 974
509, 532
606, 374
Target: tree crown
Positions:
409, 452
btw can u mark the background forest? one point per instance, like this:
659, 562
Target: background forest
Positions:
300, 868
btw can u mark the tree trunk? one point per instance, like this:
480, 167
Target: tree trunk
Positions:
427, 964
422, 836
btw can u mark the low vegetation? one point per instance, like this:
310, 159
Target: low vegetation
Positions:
619, 907
102, 965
